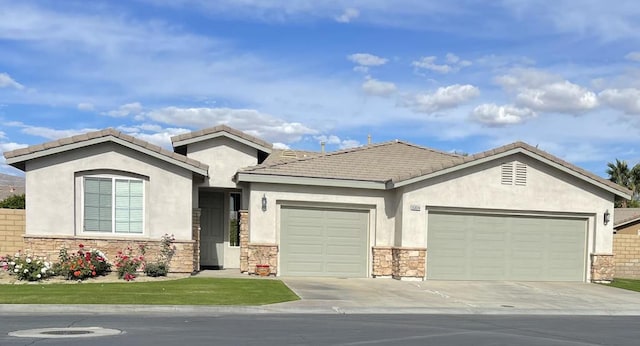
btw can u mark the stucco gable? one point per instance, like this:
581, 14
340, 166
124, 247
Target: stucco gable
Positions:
507, 150
180, 141
17, 158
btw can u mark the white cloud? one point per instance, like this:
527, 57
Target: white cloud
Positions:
366, 59
4, 147
250, 121
281, 146
444, 98
494, 115
48, 133
378, 88
153, 133
7, 82
633, 56
335, 140
348, 15
542, 91
349, 143
85, 106
626, 100
454, 63
134, 108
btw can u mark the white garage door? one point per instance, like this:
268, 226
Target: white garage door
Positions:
505, 247
323, 242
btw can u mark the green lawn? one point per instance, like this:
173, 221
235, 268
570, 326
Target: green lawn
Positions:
627, 284
189, 291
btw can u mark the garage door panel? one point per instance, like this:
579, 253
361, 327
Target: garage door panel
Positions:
336, 239
505, 247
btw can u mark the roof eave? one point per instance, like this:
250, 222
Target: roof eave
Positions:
19, 161
249, 143
394, 184
309, 181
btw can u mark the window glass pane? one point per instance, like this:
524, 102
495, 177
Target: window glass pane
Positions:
129, 203
135, 227
97, 204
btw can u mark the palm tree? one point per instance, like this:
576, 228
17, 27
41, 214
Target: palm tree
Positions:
620, 174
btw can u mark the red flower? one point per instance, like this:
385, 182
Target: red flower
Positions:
93, 273
76, 273
81, 245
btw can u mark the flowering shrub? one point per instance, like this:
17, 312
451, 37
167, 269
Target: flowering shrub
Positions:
161, 266
127, 264
26, 267
82, 264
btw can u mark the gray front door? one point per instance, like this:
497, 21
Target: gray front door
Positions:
212, 229
505, 247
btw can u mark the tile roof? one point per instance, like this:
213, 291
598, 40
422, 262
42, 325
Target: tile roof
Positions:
622, 216
282, 155
399, 161
220, 128
79, 139
376, 162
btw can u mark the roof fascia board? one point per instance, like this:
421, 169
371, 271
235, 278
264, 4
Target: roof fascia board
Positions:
627, 222
221, 134
279, 179
93, 141
504, 154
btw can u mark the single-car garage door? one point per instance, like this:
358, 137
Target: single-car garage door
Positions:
505, 247
323, 242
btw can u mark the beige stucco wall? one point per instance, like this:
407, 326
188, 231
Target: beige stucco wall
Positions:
54, 184
264, 225
224, 157
547, 190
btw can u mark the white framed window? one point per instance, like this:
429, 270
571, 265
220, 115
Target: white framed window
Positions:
113, 205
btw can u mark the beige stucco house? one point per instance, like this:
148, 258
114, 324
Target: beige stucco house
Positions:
392, 209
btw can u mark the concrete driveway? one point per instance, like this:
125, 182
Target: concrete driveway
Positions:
491, 297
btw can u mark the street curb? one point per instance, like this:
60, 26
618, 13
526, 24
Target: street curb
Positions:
27, 309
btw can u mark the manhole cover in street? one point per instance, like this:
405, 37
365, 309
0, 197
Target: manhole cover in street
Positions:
75, 332
68, 332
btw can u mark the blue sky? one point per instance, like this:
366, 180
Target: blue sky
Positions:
465, 75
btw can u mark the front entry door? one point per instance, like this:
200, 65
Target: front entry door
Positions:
212, 229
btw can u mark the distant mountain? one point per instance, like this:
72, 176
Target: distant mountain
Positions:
10, 185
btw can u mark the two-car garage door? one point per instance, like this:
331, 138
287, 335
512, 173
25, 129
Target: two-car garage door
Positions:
323, 242
464, 246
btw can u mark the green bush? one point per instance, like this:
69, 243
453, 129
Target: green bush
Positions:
156, 269
13, 202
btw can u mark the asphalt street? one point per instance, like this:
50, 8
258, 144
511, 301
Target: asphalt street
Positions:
314, 329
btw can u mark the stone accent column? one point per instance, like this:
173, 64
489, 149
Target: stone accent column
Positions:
382, 258
195, 225
409, 263
244, 241
262, 254
602, 267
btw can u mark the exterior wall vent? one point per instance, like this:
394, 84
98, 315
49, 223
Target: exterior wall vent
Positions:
289, 153
506, 176
521, 174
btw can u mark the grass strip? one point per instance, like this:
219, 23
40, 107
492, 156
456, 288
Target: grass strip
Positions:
189, 291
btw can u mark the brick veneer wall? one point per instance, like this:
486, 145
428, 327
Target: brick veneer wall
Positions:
244, 241
626, 250
602, 267
12, 227
262, 254
49, 247
398, 262
195, 225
